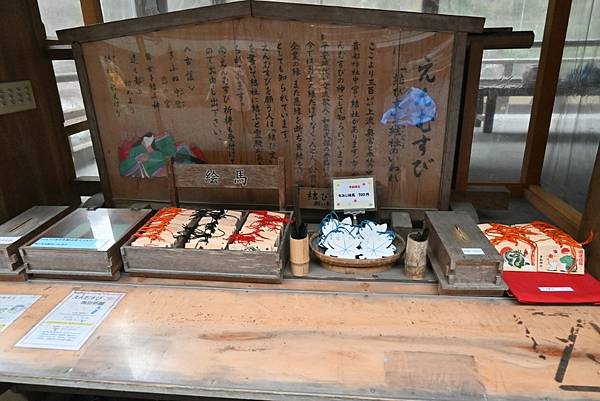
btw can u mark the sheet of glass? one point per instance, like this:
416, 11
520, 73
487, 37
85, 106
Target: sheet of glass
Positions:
574, 136
27, 222
72, 322
331, 100
60, 14
506, 87
100, 229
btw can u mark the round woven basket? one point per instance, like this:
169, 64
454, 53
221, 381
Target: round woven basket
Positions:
360, 266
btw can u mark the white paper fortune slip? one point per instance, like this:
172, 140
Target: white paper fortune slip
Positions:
555, 289
12, 306
472, 251
8, 240
71, 322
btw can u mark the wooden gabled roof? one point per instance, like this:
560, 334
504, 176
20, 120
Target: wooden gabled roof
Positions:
276, 11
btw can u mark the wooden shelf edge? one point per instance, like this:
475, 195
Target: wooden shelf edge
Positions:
561, 213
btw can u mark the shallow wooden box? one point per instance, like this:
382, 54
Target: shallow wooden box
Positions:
207, 264
23, 228
226, 265
104, 263
462, 257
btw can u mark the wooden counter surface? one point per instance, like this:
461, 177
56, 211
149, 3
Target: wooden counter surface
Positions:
288, 344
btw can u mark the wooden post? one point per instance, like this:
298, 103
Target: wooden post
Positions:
171, 180
469, 111
555, 31
591, 222
91, 11
281, 183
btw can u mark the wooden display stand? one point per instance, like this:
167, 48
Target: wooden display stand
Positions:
253, 266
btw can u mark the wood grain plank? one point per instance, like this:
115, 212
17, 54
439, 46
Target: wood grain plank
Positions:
155, 22
366, 16
560, 212
248, 343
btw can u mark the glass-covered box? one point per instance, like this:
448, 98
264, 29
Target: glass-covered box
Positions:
20, 230
85, 244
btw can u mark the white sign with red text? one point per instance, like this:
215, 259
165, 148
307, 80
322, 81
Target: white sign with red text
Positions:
356, 193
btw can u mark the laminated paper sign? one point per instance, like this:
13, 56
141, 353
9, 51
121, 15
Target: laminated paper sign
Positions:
72, 322
12, 306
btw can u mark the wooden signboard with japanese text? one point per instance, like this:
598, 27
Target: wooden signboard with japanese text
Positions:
248, 90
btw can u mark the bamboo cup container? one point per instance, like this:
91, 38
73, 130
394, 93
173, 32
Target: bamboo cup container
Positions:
299, 258
415, 260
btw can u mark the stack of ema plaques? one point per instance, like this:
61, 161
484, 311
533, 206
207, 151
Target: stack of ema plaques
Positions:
210, 244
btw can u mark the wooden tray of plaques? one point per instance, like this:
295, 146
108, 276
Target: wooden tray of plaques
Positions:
226, 264
20, 230
84, 245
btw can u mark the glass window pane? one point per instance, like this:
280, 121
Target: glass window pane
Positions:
60, 14
504, 108
83, 155
68, 89
574, 136
506, 87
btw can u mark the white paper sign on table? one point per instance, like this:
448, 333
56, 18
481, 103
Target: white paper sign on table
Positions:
8, 240
71, 322
12, 306
357, 193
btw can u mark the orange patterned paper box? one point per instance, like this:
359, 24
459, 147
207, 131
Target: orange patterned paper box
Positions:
536, 246
557, 252
518, 251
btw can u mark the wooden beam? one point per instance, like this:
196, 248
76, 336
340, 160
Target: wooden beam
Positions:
560, 212
591, 222
515, 188
76, 127
467, 115
555, 31
87, 186
155, 22
58, 51
484, 197
92, 12
500, 39
453, 112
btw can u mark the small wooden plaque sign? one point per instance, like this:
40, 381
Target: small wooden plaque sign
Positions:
314, 198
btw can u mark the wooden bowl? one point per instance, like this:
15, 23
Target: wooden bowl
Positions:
360, 266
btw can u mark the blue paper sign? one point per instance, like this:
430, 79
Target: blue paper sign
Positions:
70, 243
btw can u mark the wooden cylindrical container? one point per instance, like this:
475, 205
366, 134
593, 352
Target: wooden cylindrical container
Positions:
415, 260
299, 258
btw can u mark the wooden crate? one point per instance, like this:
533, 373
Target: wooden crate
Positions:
462, 257
102, 263
20, 230
209, 264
